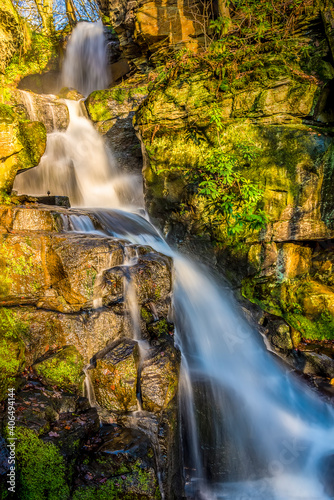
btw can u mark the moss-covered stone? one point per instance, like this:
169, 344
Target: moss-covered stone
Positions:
41, 468
105, 105
122, 467
22, 144
13, 332
63, 369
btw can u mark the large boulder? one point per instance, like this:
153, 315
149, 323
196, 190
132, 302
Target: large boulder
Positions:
115, 377
22, 144
63, 368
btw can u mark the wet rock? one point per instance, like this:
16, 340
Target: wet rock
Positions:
62, 369
159, 377
115, 377
47, 109
89, 332
59, 201
151, 277
318, 364
71, 94
112, 111
280, 335
44, 270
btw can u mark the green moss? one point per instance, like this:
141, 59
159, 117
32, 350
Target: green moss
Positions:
304, 304
63, 368
32, 136
17, 266
138, 483
41, 468
12, 349
90, 281
146, 315
160, 328
7, 114
40, 53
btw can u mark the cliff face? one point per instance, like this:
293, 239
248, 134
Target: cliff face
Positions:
11, 33
285, 112
146, 27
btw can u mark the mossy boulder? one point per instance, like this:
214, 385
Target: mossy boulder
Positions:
62, 368
69, 93
13, 332
104, 105
22, 145
151, 277
90, 333
115, 377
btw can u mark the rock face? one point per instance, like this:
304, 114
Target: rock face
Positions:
63, 311
22, 144
112, 111
146, 27
52, 112
285, 267
286, 114
11, 33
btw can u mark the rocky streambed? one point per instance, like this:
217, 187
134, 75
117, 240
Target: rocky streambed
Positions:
128, 442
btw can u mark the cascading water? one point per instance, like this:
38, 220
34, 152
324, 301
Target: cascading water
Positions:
251, 430
77, 164
86, 64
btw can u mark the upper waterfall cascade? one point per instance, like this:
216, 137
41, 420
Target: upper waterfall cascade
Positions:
271, 432
86, 64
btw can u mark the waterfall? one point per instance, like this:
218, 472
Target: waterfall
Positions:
86, 64
77, 164
252, 430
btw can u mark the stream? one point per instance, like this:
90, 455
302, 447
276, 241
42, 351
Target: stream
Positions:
251, 430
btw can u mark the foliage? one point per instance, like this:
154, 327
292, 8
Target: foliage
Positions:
230, 201
36, 59
258, 42
84, 11
230, 198
42, 470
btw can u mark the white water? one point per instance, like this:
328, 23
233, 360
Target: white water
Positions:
86, 65
251, 429
40, 108
77, 164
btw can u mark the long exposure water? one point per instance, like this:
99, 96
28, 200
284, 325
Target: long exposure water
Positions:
251, 430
